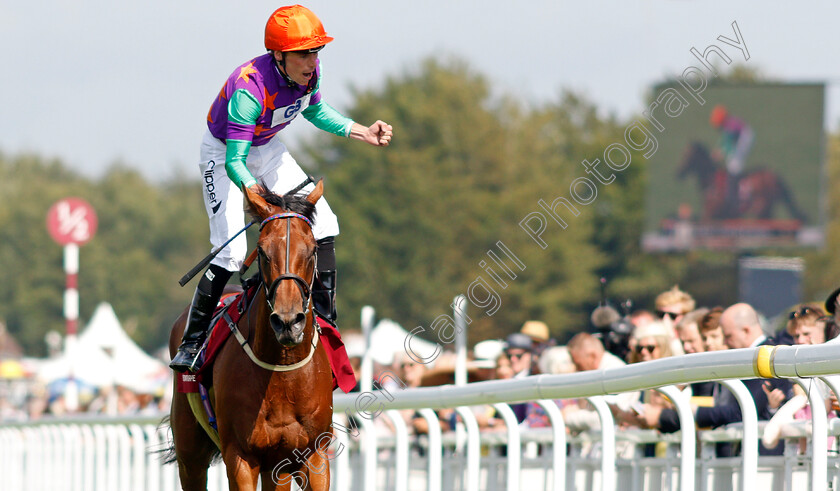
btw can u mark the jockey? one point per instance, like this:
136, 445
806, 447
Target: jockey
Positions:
736, 139
260, 98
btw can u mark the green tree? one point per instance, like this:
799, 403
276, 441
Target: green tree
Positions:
147, 236
462, 172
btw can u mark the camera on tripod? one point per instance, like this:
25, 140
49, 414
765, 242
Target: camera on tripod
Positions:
613, 326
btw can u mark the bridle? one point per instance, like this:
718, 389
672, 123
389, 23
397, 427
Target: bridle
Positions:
304, 286
306, 290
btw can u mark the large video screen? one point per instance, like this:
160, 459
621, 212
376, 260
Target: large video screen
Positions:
743, 170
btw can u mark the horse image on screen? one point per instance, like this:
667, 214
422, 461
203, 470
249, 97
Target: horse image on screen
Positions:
743, 170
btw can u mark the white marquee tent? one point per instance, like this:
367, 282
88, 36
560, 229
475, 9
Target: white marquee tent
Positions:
104, 355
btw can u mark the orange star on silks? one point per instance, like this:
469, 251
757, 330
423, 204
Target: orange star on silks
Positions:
209, 115
222, 92
268, 101
260, 129
246, 71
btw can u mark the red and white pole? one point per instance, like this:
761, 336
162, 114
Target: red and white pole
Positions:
71, 292
71, 222
71, 318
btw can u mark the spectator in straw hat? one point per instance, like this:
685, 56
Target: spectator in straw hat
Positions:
536, 330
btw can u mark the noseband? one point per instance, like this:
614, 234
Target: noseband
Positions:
304, 286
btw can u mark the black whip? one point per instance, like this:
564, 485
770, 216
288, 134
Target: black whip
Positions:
204, 262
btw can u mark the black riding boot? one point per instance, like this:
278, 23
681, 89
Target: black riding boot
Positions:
323, 292
206, 297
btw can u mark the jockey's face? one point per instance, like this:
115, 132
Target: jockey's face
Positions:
299, 65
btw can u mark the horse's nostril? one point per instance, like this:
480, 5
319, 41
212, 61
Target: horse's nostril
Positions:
285, 322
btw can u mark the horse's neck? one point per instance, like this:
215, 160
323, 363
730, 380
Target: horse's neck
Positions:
706, 169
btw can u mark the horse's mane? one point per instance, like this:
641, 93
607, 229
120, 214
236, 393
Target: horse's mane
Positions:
293, 203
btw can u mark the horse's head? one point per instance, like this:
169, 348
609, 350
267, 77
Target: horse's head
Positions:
286, 250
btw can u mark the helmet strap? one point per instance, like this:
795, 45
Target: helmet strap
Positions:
281, 67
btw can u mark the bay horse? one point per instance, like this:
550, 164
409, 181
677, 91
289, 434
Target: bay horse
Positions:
271, 422
758, 191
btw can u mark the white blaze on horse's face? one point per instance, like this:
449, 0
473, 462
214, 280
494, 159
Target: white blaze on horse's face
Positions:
287, 263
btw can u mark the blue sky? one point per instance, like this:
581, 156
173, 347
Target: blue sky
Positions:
94, 82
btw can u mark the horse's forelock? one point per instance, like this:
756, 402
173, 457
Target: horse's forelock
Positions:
292, 203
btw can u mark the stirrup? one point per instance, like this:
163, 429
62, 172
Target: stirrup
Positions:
187, 355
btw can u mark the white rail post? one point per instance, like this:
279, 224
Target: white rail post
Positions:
366, 382
54, 453
155, 474
113, 452
69, 438
608, 473
370, 453
170, 473
687, 435
123, 442
89, 461
77, 450
473, 447
401, 432
460, 313
435, 449
100, 455
558, 428
342, 459
514, 445
819, 434
749, 444
138, 454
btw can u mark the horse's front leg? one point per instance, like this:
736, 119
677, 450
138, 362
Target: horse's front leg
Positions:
311, 473
242, 472
317, 469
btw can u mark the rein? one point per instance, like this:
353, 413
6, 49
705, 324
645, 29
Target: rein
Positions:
306, 290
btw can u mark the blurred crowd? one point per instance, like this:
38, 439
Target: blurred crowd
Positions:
676, 326
29, 400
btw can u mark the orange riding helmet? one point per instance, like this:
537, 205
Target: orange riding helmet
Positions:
295, 28
718, 115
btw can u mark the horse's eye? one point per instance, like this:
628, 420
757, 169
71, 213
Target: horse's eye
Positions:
263, 255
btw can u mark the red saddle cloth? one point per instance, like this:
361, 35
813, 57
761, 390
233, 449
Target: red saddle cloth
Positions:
343, 375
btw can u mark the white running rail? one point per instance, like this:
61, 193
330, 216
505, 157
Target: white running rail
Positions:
99, 454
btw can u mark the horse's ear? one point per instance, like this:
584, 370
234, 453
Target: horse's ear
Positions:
256, 204
316, 193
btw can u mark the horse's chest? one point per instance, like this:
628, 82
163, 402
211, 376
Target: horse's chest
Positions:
281, 425
267, 435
